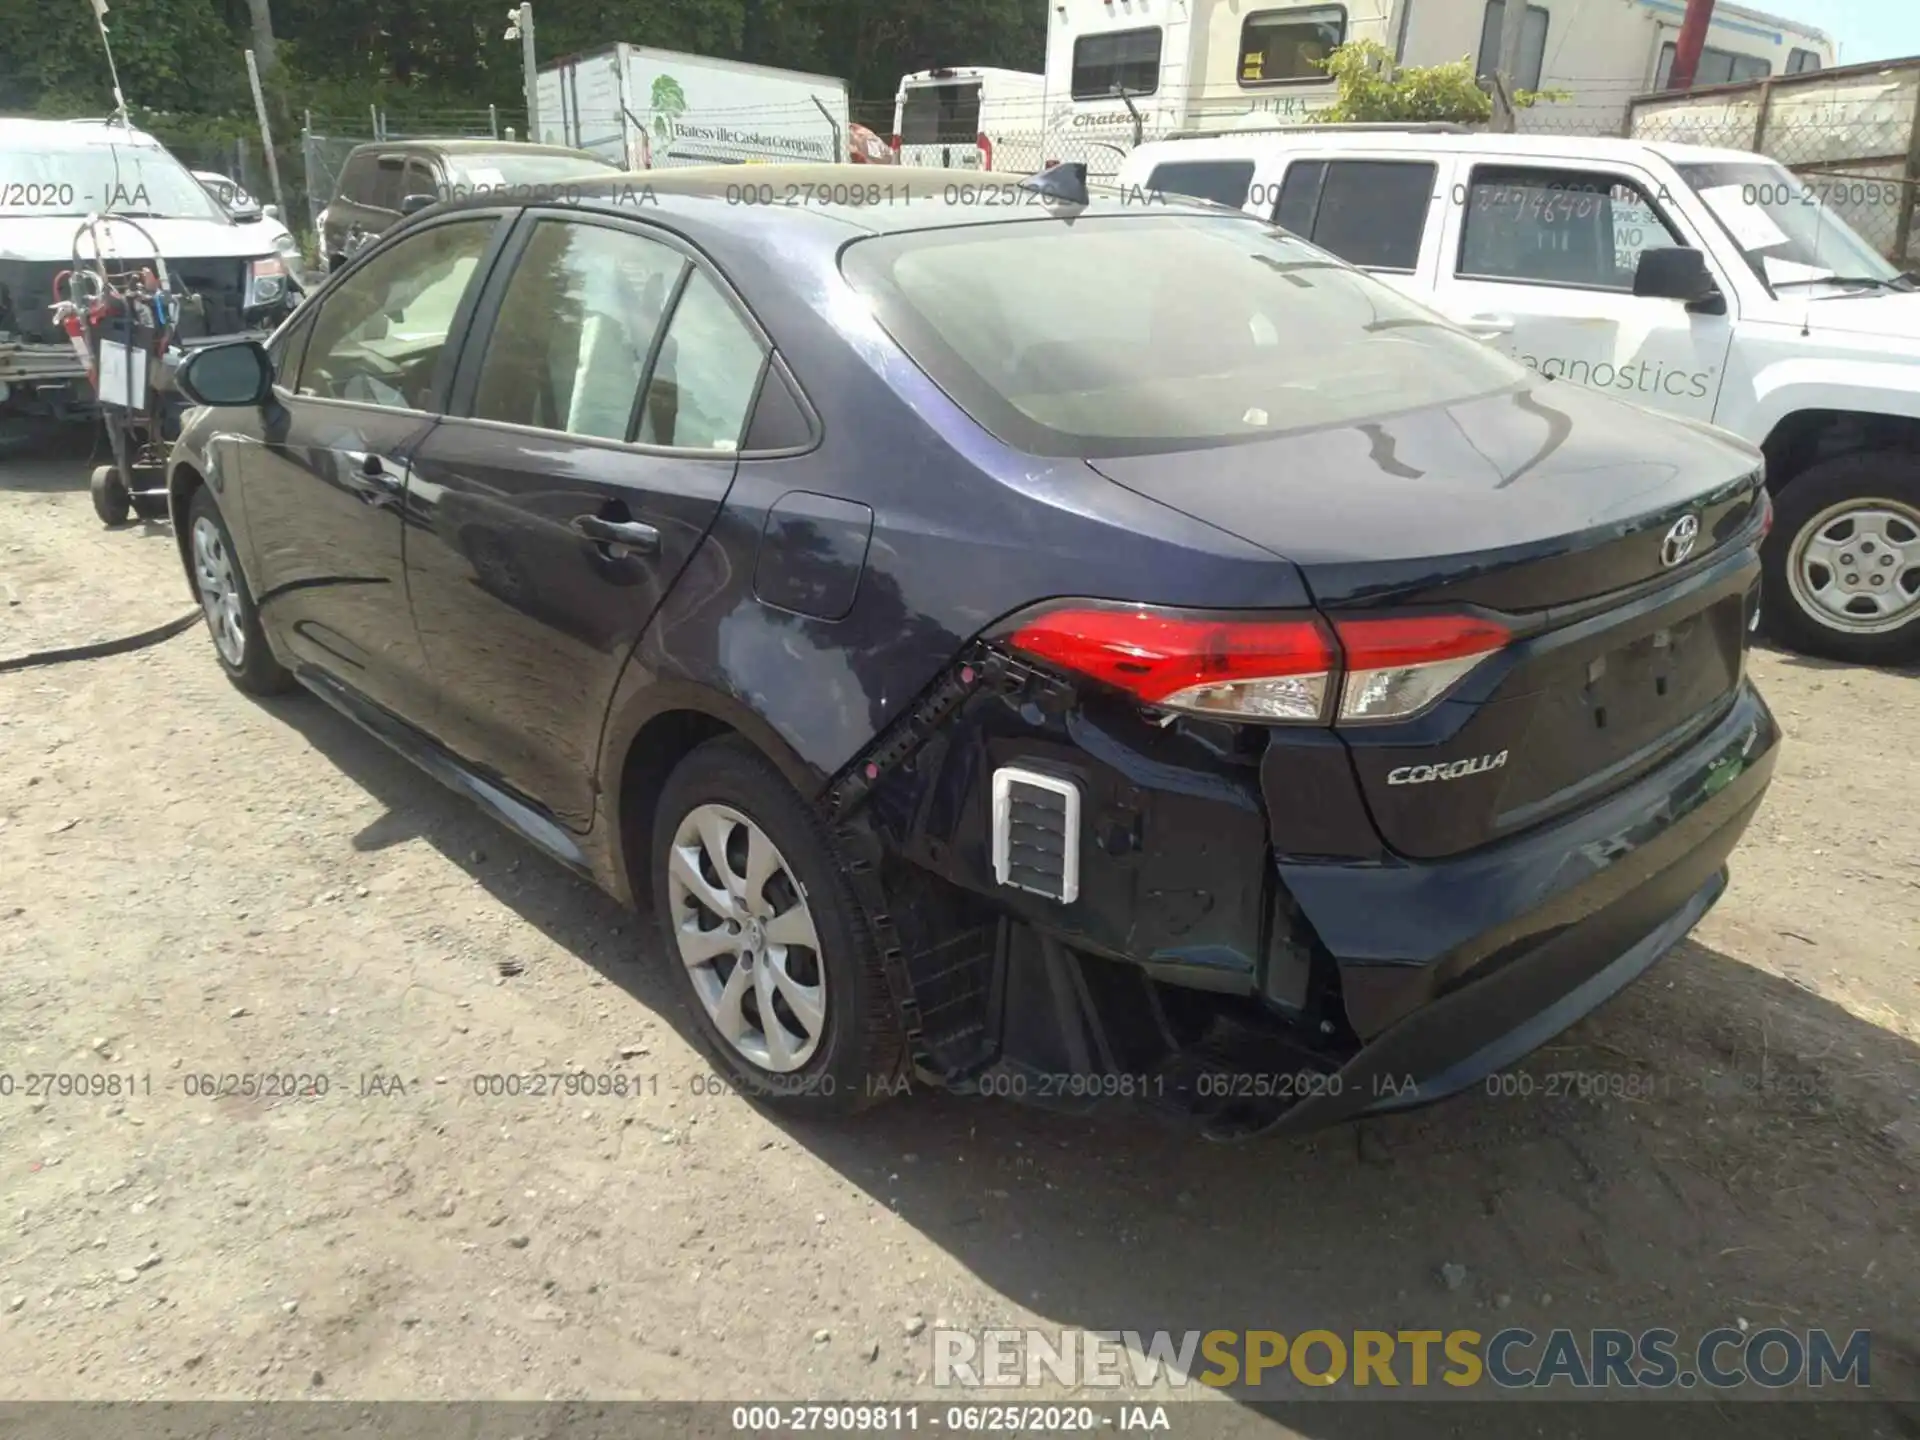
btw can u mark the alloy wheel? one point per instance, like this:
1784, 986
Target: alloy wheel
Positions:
1855, 567
746, 935
219, 591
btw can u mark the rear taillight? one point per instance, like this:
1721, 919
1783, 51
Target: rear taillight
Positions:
1293, 669
893, 143
1766, 515
1398, 667
986, 151
1268, 669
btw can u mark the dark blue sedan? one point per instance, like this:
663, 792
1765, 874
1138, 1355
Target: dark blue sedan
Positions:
1072, 647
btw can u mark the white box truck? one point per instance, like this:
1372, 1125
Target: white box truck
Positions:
648, 109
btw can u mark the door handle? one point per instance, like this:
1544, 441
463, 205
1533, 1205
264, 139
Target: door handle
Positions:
1490, 325
631, 535
375, 484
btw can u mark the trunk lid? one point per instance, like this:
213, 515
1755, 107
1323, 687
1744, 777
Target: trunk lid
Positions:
1617, 543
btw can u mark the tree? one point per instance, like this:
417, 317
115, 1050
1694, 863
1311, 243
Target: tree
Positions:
1373, 89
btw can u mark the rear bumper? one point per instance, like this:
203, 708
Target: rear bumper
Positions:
1451, 970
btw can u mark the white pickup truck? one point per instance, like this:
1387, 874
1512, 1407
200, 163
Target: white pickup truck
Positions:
1708, 283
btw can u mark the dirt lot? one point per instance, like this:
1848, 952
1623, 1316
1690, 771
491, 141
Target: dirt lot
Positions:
193, 883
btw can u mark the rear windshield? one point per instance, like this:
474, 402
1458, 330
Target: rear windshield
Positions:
941, 115
1137, 334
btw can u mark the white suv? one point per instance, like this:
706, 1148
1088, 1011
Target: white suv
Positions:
1708, 283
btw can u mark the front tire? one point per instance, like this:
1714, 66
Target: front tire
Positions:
771, 948
1842, 566
238, 642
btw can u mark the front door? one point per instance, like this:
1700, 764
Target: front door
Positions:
600, 417
326, 488
1540, 260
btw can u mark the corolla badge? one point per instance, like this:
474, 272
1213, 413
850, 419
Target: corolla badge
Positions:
1458, 770
1680, 541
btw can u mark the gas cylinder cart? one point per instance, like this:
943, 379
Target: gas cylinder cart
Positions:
121, 316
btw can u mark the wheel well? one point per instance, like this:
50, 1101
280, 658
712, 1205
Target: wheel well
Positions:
1807, 437
181, 485
661, 744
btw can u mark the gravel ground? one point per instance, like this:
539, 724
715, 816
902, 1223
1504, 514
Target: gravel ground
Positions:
194, 883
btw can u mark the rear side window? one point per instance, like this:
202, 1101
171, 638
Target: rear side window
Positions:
706, 375
575, 328
1104, 65
1143, 333
1799, 62
1225, 182
1558, 227
1371, 213
941, 115
1278, 45
1717, 67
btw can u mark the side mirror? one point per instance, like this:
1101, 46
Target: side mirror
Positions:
238, 373
1676, 273
414, 204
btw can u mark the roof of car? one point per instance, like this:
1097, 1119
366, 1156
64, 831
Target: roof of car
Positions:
1280, 139
873, 202
27, 130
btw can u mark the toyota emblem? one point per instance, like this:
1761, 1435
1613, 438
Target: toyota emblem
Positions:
1680, 541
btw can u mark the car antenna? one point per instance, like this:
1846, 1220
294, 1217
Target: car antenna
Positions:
1065, 184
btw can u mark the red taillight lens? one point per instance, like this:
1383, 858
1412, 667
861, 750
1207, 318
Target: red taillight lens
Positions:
1398, 666
893, 142
1766, 516
1275, 668
1267, 669
986, 151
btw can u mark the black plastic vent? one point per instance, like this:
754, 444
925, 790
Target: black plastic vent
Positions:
1036, 833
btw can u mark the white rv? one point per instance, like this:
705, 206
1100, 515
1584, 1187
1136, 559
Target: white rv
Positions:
1115, 67
642, 109
970, 118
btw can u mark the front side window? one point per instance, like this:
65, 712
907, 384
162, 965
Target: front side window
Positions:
1717, 67
1122, 60
379, 336
1371, 213
386, 183
1280, 45
1146, 333
941, 114
575, 328
1224, 182
706, 375
1558, 227
1533, 44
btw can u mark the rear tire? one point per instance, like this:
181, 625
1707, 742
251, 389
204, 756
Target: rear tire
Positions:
238, 642
1842, 565
771, 927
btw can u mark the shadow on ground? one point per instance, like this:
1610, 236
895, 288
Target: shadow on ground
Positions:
1717, 1147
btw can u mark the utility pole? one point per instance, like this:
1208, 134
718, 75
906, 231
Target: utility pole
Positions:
1693, 39
266, 132
1513, 30
520, 27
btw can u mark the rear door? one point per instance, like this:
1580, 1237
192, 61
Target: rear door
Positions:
1378, 212
600, 408
1539, 258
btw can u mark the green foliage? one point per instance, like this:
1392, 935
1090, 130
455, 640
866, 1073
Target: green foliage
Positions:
1372, 88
